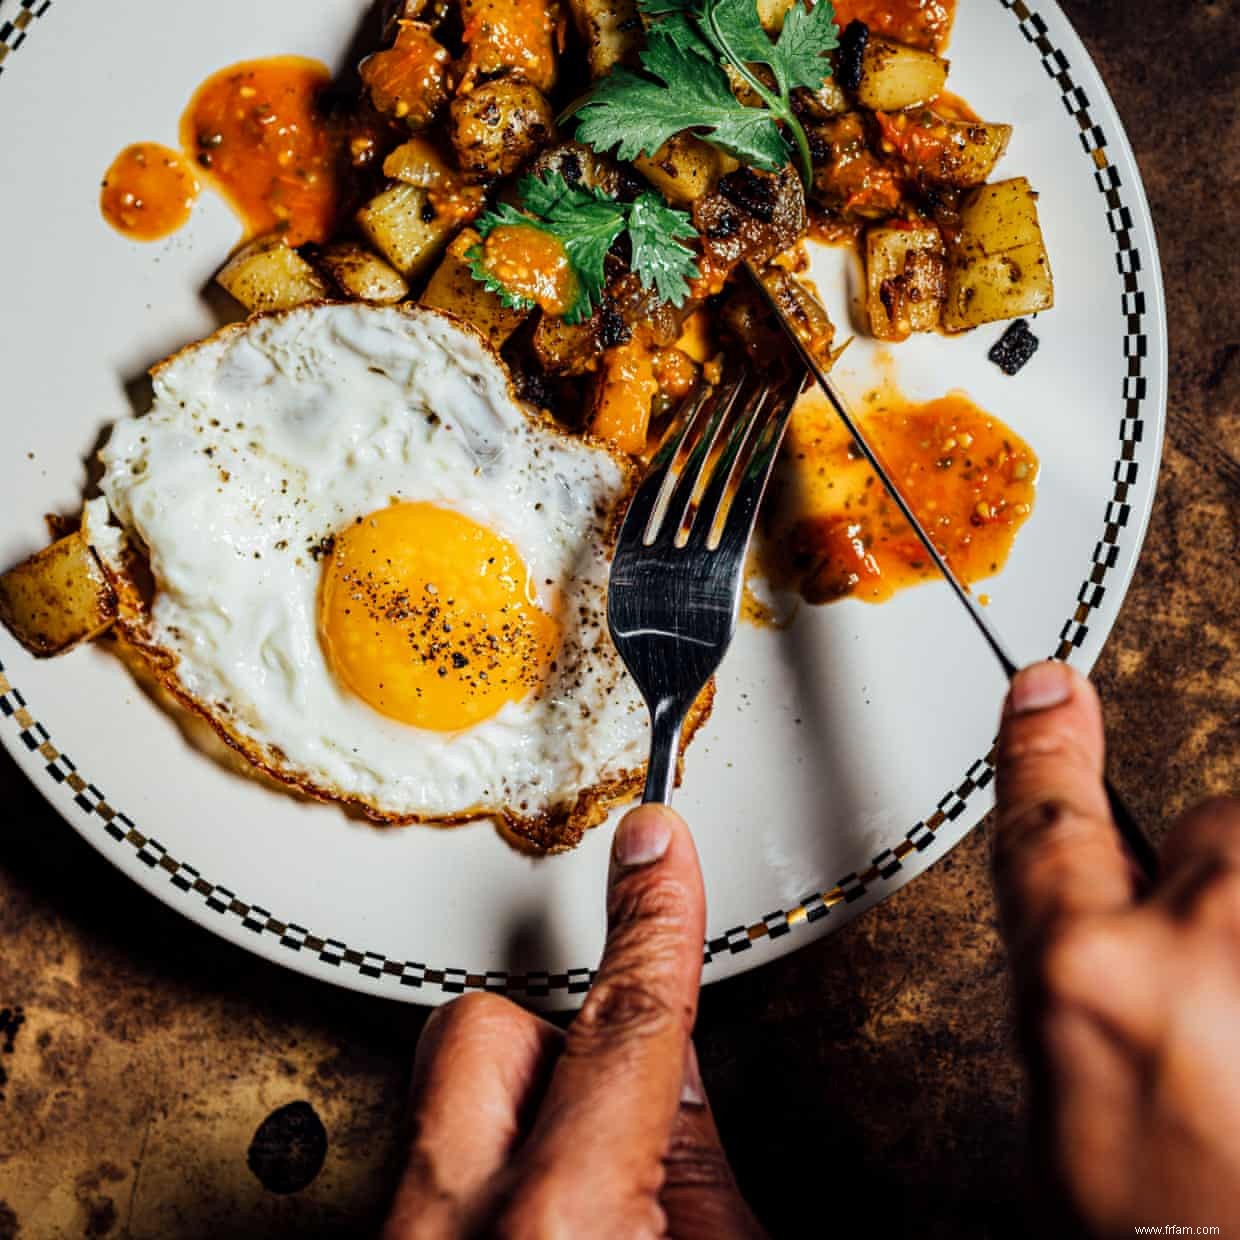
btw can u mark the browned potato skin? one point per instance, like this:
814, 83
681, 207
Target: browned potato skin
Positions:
58, 597
498, 125
453, 288
905, 279
611, 30
566, 348
963, 153
894, 76
402, 223
684, 168
266, 274
362, 275
997, 264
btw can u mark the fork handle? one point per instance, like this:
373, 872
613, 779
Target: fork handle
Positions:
666, 720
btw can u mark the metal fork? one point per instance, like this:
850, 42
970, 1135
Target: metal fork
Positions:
679, 565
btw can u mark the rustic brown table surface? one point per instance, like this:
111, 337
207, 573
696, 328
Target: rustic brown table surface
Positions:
868, 1081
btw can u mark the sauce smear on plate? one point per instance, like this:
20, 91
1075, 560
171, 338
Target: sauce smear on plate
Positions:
834, 531
258, 130
148, 192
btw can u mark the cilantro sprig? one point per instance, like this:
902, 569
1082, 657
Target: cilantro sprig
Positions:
587, 223
684, 82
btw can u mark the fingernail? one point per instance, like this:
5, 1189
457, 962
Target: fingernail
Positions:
1039, 688
692, 1092
642, 836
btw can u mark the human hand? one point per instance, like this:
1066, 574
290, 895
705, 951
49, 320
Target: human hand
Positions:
603, 1130
1128, 1000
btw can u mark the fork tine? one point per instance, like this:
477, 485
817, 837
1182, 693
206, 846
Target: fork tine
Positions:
740, 493
685, 469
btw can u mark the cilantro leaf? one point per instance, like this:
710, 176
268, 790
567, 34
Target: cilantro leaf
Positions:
482, 273
587, 223
660, 258
636, 115
806, 37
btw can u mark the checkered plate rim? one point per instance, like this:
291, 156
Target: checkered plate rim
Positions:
1118, 517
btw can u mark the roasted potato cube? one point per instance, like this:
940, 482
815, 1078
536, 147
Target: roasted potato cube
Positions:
267, 274
567, 348
361, 275
905, 280
579, 165
771, 14
453, 288
497, 126
959, 153
58, 597
610, 29
894, 76
684, 168
997, 266
403, 225
408, 81
417, 162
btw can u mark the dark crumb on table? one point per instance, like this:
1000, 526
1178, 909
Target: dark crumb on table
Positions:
1014, 348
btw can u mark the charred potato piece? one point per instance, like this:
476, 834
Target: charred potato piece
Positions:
579, 165
361, 275
894, 76
408, 81
610, 29
905, 280
567, 348
267, 274
771, 13
453, 288
497, 126
997, 266
58, 597
750, 215
509, 36
403, 225
684, 168
958, 153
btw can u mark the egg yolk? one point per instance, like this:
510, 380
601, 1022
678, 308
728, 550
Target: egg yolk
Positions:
430, 617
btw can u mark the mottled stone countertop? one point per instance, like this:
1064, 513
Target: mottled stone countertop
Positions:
870, 1074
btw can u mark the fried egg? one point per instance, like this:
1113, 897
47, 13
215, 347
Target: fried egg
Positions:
376, 573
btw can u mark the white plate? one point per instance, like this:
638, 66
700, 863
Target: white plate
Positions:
844, 756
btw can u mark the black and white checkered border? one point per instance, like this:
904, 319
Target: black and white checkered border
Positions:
13, 30
781, 922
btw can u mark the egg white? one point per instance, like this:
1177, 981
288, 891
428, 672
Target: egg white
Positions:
272, 435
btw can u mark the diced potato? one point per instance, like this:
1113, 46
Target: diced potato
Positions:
684, 168
58, 597
416, 162
566, 348
894, 76
453, 288
771, 14
403, 225
998, 266
905, 280
267, 274
959, 153
498, 125
611, 30
361, 275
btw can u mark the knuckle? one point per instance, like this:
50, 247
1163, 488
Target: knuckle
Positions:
693, 1163
1077, 960
621, 1008
1219, 902
1047, 827
648, 900
1039, 740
